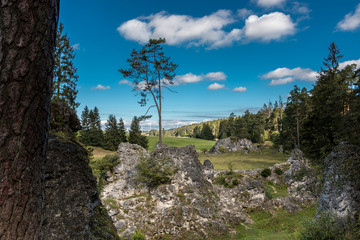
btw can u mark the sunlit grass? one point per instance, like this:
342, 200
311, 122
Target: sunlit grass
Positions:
99, 152
259, 159
200, 144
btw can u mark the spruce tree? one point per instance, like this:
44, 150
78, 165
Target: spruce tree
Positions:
112, 133
122, 131
135, 136
65, 77
206, 132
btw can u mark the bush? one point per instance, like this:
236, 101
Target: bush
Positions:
229, 179
138, 235
222, 149
266, 172
101, 166
278, 171
154, 172
329, 227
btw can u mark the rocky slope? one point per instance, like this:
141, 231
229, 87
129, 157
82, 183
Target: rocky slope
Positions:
192, 205
72, 209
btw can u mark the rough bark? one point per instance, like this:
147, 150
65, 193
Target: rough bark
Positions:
27, 43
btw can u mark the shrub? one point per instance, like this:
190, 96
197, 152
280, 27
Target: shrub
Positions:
222, 149
278, 171
138, 235
204, 150
228, 180
101, 166
329, 227
154, 172
266, 172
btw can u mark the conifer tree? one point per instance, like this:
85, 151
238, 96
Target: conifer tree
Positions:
151, 70
206, 132
112, 133
65, 77
135, 136
122, 131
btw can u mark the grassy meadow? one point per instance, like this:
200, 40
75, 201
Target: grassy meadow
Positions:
260, 159
200, 144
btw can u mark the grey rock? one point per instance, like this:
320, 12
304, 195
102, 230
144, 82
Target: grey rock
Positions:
340, 194
72, 207
231, 145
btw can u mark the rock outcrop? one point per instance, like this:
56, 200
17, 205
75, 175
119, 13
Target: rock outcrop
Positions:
232, 145
72, 208
198, 203
341, 190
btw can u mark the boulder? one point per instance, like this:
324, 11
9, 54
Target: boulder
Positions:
232, 145
341, 189
189, 204
72, 208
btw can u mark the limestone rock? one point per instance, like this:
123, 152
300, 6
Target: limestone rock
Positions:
72, 208
233, 145
341, 194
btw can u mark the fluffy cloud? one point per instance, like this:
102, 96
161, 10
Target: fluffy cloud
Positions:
216, 76
239, 89
76, 46
285, 75
344, 64
216, 86
178, 29
269, 3
100, 87
351, 21
273, 26
187, 78
208, 30
125, 82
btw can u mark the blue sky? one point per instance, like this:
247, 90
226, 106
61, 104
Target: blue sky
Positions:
232, 55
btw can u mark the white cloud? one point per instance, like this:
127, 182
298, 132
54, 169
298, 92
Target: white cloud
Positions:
208, 30
100, 87
216, 76
215, 86
239, 89
178, 29
286, 75
351, 21
269, 3
344, 64
187, 78
244, 13
273, 26
281, 81
76, 46
125, 82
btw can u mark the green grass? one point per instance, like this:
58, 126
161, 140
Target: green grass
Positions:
200, 144
259, 159
278, 226
100, 152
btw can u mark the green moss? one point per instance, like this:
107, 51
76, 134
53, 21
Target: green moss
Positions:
101, 226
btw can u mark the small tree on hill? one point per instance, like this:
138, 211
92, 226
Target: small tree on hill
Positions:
150, 71
206, 132
135, 136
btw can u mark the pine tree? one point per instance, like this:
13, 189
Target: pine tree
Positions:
122, 131
91, 133
327, 104
112, 133
151, 70
206, 132
65, 77
135, 136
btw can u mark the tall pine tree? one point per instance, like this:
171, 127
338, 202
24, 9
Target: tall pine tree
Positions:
65, 77
122, 131
112, 133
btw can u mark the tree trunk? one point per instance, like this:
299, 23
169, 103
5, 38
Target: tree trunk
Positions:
27, 43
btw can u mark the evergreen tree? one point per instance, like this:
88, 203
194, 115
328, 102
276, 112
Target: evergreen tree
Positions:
206, 133
91, 133
122, 131
197, 132
327, 106
135, 136
112, 133
223, 129
151, 70
65, 77
241, 128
